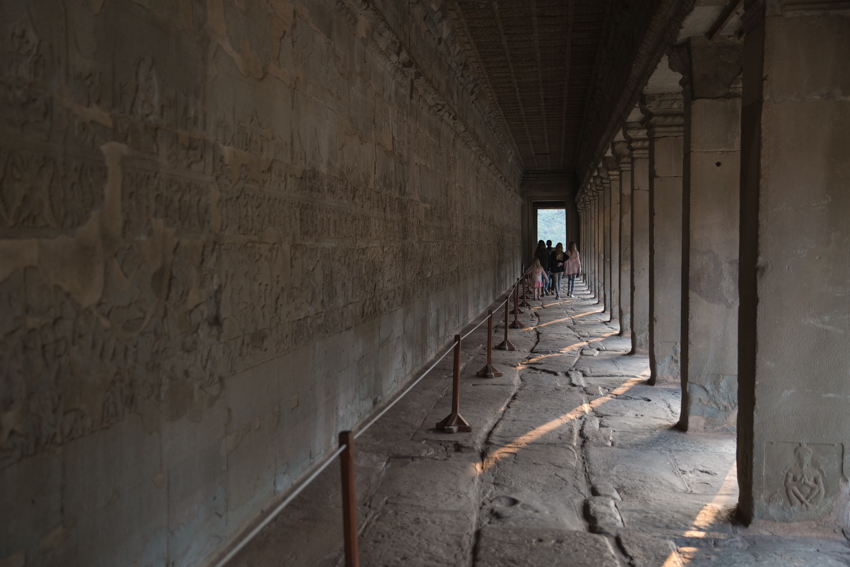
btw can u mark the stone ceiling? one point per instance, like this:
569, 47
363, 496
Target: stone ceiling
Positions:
565, 73
539, 57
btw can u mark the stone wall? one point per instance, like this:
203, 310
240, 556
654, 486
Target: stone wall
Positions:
228, 229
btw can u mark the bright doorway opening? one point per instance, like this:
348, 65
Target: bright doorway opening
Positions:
552, 225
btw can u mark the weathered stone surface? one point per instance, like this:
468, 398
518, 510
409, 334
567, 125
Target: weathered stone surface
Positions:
785, 146
648, 550
228, 232
603, 514
503, 547
542, 479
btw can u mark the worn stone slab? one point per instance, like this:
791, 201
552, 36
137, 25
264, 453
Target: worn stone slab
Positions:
533, 431
498, 547
538, 405
553, 362
673, 439
637, 475
603, 514
480, 406
648, 549
705, 557
448, 485
627, 406
403, 535
713, 474
620, 423
614, 343
612, 365
676, 516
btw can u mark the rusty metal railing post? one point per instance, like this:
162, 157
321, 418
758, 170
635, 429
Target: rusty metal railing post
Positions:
516, 310
454, 422
524, 292
349, 499
489, 371
506, 344
516, 324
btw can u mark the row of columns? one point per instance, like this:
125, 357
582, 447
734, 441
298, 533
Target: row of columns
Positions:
699, 249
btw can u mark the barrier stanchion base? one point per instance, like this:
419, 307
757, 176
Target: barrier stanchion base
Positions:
454, 423
516, 324
516, 311
525, 303
489, 371
505, 345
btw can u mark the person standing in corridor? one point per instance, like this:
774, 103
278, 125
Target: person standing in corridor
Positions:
557, 265
572, 267
542, 253
539, 279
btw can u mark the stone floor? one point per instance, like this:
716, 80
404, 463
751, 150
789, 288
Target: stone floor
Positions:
573, 461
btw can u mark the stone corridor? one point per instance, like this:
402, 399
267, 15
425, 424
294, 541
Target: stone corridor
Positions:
574, 460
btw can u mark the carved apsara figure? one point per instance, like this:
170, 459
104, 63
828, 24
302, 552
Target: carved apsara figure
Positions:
804, 484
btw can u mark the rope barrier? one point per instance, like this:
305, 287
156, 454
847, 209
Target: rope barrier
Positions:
395, 401
343, 447
232, 553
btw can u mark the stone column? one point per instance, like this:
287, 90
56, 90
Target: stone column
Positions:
606, 240
624, 163
639, 145
582, 244
614, 229
598, 255
665, 122
794, 316
711, 193
588, 256
600, 242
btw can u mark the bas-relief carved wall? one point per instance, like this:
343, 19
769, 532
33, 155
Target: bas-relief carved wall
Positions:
220, 220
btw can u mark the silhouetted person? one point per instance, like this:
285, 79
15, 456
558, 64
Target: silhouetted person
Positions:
573, 268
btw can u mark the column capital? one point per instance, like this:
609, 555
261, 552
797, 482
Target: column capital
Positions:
638, 140
665, 114
709, 69
623, 155
612, 167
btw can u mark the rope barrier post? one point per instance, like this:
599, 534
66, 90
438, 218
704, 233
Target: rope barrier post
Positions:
516, 309
489, 371
516, 324
524, 292
506, 344
349, 499
454, 422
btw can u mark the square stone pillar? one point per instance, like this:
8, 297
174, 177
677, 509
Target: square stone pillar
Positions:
711, 193
585, 223
613, 189
606, 240
624, 163
597, 241
599, 244
589, 247
794, 316
665, 121
639, 145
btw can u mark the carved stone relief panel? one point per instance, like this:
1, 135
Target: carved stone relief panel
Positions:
801, 481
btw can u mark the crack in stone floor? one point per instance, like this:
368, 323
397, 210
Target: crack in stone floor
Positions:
574, 460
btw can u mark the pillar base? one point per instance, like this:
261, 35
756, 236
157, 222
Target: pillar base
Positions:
489, 371
454, 423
